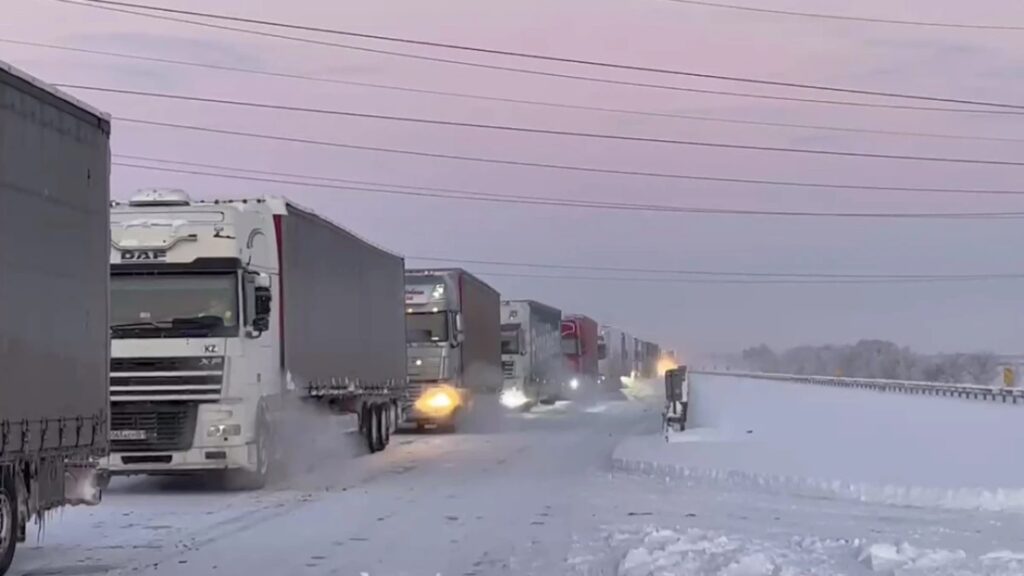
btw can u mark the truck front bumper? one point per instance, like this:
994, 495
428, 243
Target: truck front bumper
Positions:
202, 459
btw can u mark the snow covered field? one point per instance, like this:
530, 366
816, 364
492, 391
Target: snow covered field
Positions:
536, 494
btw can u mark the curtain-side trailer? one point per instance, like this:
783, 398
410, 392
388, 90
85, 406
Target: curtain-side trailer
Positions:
54, 198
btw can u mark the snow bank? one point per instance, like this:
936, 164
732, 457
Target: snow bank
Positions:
851, 443
709, 553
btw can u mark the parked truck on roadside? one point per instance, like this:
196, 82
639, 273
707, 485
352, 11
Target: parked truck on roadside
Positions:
531, 355
453, 331
579, 346
54, 202
229, 316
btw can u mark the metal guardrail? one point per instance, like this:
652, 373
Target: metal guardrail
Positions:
968, 391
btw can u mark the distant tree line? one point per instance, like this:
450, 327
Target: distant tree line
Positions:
875, 359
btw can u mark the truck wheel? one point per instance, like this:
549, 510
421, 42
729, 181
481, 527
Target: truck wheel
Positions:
386, 423
256, 479
382, 427
372, 427
8, 520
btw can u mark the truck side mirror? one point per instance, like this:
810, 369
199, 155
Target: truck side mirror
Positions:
257, 303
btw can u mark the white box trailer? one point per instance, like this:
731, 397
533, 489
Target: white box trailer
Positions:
54, 197
225, 314
532, 365
615, 361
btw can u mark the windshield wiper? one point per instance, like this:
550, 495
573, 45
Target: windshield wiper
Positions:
207, 321
136, 325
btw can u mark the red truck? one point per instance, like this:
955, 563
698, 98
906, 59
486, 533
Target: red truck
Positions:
579, 345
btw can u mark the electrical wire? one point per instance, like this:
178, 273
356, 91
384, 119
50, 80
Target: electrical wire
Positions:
693, 272
522, 101
541, 73
552, 132
844, 18
543, 57
569, 167
281, 178
756, 282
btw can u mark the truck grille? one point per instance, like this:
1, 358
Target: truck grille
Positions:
152, 427
194, 377
508, 368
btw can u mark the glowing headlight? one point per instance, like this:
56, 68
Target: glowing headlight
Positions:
513, 398
438, 401
574, 384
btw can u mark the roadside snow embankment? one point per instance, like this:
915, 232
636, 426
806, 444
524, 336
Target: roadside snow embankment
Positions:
711, 553
824, 441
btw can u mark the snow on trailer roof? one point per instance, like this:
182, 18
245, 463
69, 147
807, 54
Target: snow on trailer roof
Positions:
53, 90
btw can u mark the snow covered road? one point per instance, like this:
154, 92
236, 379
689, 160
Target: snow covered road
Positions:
525, 494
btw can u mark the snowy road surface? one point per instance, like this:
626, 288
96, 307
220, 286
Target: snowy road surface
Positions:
529, 494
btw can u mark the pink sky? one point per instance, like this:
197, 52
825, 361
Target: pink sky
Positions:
959, 63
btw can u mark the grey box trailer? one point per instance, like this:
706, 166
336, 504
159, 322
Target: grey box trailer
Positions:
344, 328
481, 326
342, 308
54, 346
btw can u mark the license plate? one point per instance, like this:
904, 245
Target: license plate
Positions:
127, 434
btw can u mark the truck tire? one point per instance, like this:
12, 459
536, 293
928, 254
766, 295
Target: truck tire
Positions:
256, 479
8, 519
372, 427
382, 427
386, 424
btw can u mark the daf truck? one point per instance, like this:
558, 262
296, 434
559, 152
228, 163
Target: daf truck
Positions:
531, 353
579, 347
227, 317
54, 198
453, 332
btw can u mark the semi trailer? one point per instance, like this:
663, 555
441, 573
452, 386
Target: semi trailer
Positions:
54, 351
228, 317
453, 332
614, 357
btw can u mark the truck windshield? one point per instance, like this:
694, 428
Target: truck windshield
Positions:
570, 345
510, 338
426, 327
173, 305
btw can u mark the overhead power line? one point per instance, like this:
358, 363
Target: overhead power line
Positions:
553, 132
522, 101
454, 194
548, 57
547, 74
714, 281
713, 273
846, 18
569, 167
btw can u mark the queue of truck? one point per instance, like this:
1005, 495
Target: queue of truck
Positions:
193, 332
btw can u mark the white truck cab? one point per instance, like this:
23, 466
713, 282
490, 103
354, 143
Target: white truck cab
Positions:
194, 365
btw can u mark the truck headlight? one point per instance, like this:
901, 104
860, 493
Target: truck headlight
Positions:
218, 430
439, 400
513, 398
574, 384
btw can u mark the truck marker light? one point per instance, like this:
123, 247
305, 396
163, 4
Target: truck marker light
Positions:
419, 362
